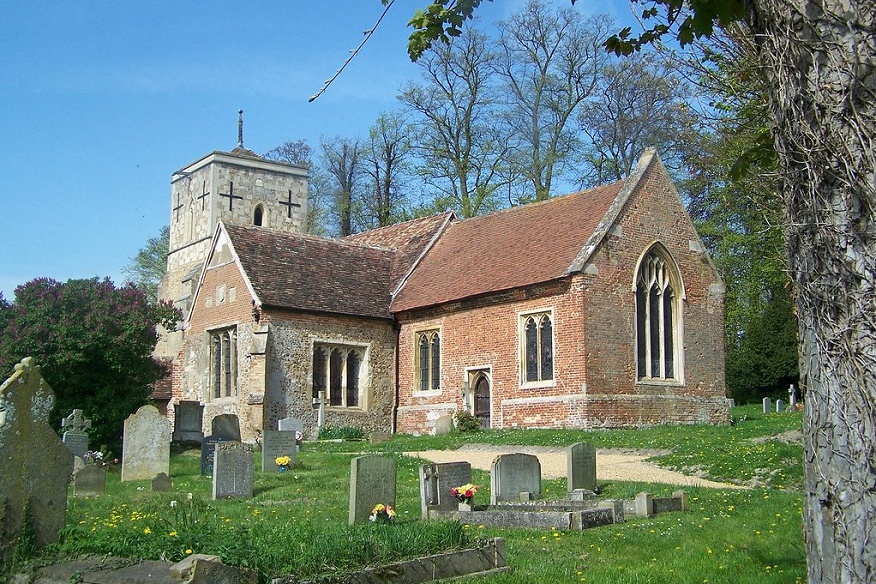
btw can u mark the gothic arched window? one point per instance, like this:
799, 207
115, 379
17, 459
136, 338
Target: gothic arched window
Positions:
658, 318
538, 348
258, 215
428, 360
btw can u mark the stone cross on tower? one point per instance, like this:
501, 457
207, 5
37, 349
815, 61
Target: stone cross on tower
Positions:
76, 423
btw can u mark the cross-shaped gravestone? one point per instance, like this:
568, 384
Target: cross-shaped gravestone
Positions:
319, 402
204, 194
231, 196
76, 422
289, 204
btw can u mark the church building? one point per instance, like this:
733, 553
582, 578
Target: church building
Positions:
590, 310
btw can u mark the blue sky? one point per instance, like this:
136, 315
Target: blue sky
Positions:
101, 101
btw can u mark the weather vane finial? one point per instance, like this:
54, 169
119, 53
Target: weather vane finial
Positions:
240, 128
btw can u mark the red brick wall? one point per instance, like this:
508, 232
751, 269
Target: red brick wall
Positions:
594, 336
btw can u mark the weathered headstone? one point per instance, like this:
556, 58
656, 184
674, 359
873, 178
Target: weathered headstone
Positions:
792, 393
226, 426
372, 481
290, 425
75, 436
146, 445
512, 474
208, 449
780, 406
26, 401
90, 481
767, 405
379, 437
161, 482
436, 480
443, 425
188, 421
232, 470
277, 443
581, 467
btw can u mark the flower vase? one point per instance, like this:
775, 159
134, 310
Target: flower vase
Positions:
466, 506
282, 468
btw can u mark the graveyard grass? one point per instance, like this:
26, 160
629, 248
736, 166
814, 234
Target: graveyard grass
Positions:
296, 522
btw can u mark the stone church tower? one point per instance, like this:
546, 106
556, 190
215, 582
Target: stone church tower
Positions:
239, 188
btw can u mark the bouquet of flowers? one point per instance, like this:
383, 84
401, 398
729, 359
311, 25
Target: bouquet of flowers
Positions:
283, 462
465, 493
382, 514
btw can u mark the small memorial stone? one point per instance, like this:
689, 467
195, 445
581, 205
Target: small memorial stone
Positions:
767, 405
208, 448
90, 481
277, 443
436, 480
226, 426
75, 435
581, 467
444, 425
512, 474
161, 482
146, 445
232, 470
188, 421
372, 481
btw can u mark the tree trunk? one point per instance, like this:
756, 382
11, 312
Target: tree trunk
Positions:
820, 60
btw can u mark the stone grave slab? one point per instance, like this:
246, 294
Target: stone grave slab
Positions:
208, 449
232, 470
188, 421
146, 445
75, 436
512, 474
226, 426
26, 401
444, 425
290, 425
277, 443
162, 482
90, 481
372, 481
436, 480
581, 467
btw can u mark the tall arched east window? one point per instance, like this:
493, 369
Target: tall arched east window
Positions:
538, 348
658, 318
428, 360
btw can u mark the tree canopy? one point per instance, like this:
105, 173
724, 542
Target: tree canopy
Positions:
94, 342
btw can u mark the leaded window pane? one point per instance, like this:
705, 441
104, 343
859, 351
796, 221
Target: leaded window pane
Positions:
217, 366
654, 331
319, 364
668, 328
547, 348
436, 361
531, 350
336, 377
641, 341
352, 379
424, 362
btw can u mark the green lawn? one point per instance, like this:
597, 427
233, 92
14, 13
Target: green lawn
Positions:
296, 521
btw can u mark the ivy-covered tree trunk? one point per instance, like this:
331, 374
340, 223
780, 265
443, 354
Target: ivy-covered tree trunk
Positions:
820, 57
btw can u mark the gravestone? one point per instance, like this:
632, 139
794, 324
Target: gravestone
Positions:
232, 470
26, 401
792, 393
146, 445
90, 481
75, 436
780, 406
767, 405
512, 474
226, 426
291, 425
581, 467
436, 480
161, 483
188, 420
372, 481
208, 449
277, 443
379, 437
443, 425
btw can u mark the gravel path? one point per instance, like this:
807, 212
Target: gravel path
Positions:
611, 464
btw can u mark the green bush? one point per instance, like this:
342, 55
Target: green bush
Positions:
465, 422
340, 433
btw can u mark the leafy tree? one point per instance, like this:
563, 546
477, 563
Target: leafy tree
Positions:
817, 59
94, 343
147, 268
300, 153
386, 161
459, 142
342, 160
551, 61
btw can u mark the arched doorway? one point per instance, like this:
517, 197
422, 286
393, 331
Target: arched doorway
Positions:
482, 399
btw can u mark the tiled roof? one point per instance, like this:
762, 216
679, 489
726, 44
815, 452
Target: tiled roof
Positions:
315, 274
409, 240
516, 247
